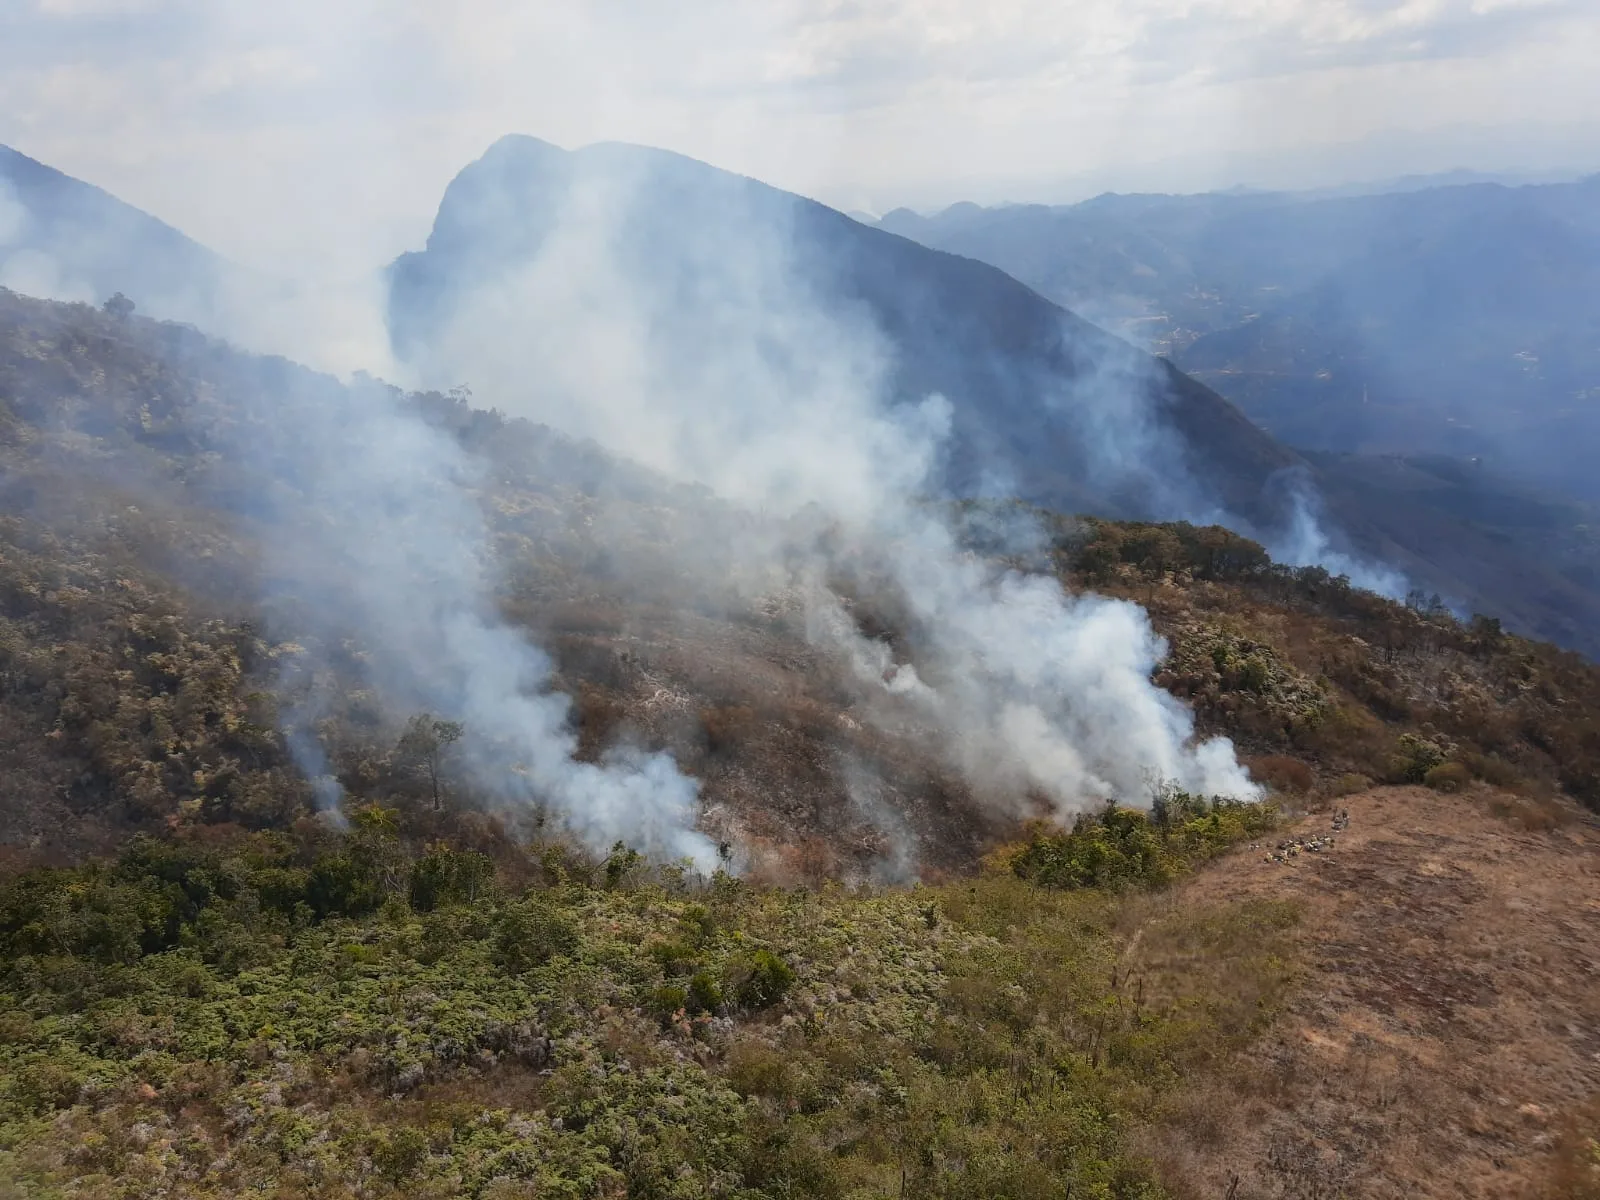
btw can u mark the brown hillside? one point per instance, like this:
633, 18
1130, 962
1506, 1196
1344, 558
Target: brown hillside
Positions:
145, 658
904, 995
1446, 1024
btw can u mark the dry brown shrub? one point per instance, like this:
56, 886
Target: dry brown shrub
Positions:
1349, 785
1282, 773
756, 1069
1494, 770
807, 717
1448, 777
1575, 1165
509, 1085
1534, 814
1351, 738
599, 712
809, 860
728, 726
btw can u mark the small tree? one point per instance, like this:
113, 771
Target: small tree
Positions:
119, 307
425, 742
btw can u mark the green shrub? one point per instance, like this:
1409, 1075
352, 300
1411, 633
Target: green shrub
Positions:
667, 1001
530, 933
759, 980
704, 992
42, 1087
1448, 777
675, 957
1414, 756
91, 913
622, 864
1123, 846
445, 876
398, 1154
344, 885
757, 1069
698, 924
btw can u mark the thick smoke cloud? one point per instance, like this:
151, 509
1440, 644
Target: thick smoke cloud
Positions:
718, 365
23, 266
375, 530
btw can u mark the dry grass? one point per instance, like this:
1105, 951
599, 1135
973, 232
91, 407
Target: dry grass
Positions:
1575, 1164
1444, 1035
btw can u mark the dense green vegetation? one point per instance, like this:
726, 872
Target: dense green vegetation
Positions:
345, 1018
1121, 847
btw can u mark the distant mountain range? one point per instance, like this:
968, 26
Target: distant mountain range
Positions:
1459, 320
1043, 404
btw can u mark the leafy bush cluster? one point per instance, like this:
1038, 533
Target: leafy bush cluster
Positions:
1242, 684
1121, 847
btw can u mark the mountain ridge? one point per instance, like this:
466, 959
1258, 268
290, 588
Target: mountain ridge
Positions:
77, 241
517, 182
1241, 462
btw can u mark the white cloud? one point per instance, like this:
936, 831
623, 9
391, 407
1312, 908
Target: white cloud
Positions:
326, 131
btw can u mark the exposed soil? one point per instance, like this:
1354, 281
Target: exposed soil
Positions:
1448, 1020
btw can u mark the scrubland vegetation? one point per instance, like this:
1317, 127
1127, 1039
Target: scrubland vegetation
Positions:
347, 1017
206, 989
1293, 662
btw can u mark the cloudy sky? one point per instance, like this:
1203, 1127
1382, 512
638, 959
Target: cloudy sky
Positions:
324, 130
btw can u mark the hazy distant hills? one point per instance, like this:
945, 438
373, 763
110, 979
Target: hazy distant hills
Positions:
1039, 397
1028, 382
65, 239
1036, 391
1460, 320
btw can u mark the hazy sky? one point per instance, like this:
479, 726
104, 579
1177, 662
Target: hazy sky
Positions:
324, 130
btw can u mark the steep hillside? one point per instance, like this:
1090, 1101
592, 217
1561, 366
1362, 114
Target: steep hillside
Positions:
899, 987
1044, 406
66, 239
1444, 1038
1448, 320
153, 624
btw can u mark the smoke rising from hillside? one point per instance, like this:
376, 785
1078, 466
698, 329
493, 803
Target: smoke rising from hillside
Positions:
1304, 541
379, 534
717, 364
1137, 460
23, 267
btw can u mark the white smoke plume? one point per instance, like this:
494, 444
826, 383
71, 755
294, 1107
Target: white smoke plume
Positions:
388, 540
27, 268
1304, 541
1137, 461
754, 389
